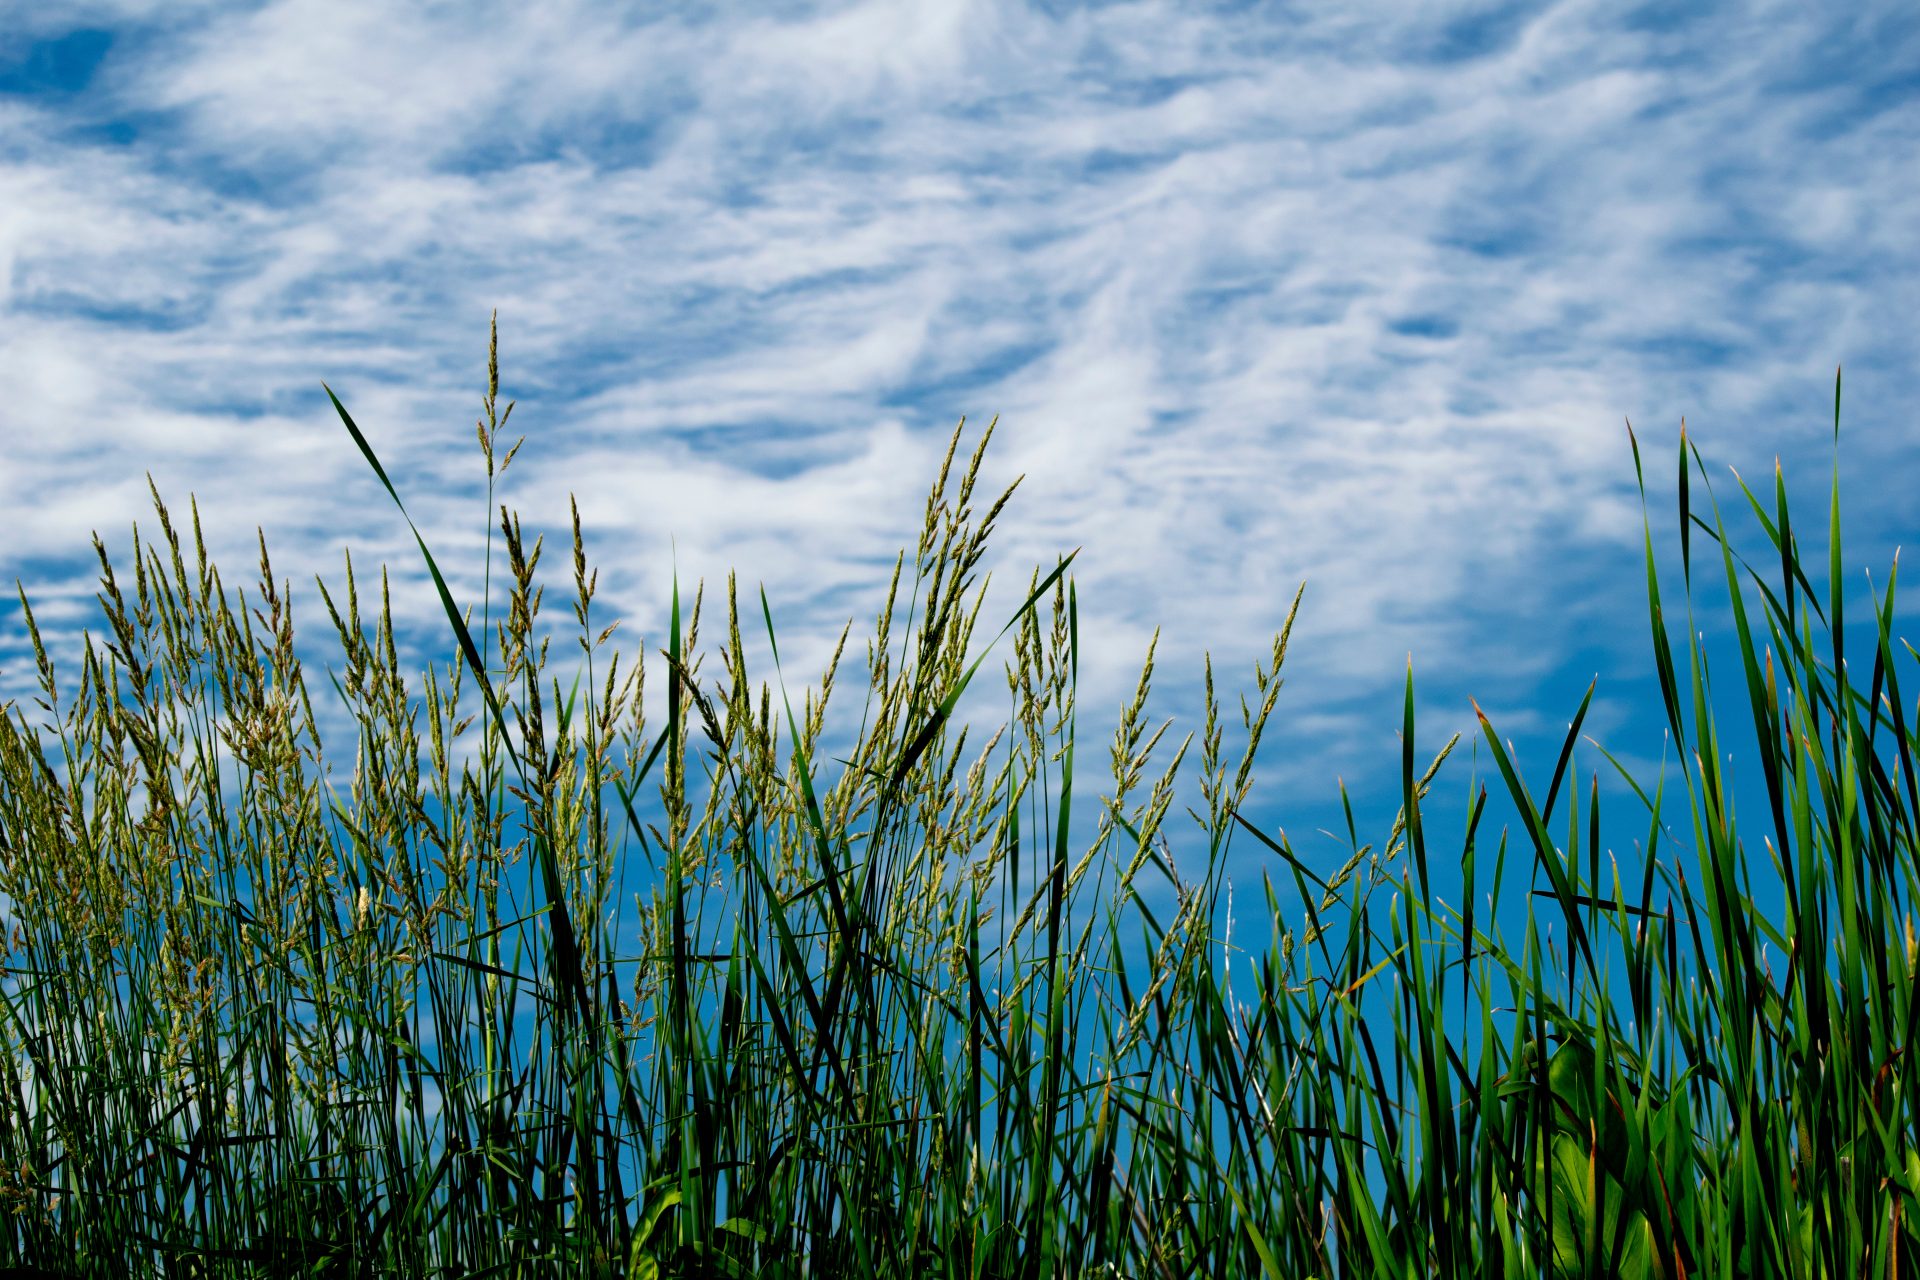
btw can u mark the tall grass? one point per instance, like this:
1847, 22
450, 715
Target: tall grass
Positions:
895, 1023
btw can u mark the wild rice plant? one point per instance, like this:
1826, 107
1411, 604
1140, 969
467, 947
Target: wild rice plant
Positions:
898, 1024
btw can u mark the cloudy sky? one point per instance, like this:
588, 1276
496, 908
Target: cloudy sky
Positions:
1360, 295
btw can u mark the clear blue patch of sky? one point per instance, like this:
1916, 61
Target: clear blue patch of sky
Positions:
50, 569
57, 72
61, 65
1425, 326
1659, 18
949, 393
112, 133
1492, 30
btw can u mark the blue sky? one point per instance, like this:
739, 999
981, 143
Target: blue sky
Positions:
1353, 294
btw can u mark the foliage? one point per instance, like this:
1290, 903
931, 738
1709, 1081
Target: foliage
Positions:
892, 1026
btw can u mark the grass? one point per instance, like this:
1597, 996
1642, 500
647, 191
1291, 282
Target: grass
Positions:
899, 1025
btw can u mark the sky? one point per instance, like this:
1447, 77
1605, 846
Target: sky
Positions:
1358, 295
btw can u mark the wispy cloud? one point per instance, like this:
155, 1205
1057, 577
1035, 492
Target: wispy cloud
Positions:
1358, 295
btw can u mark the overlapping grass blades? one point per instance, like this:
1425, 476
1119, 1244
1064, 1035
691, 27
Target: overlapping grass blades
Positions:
866, 1028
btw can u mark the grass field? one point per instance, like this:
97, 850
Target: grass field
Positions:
886, 1020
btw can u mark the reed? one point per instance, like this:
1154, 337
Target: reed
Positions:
899, 1024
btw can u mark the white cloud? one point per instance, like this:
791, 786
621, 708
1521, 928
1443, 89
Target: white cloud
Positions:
1254, 302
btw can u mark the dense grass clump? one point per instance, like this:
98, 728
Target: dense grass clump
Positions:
896, 1024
